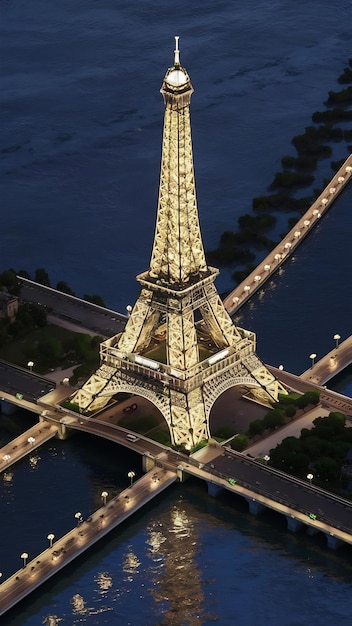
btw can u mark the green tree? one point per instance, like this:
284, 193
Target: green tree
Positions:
9, 282
256, 428
64, 288
225, 431
42, 277
94, 299
327, 468
274, 418
50, 349
24, 274
330, 427
290, 410
239, 443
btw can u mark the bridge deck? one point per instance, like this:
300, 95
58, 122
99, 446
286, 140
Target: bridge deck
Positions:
331, 364
276, 490
79, 539
25, 443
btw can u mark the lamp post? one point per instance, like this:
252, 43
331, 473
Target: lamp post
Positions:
281, 367
78, 517
131, 475
313, 357
51, 538
31, 440
104, 495
266, 459
310, 478
24, 556
129, 310
30, 365
337, 338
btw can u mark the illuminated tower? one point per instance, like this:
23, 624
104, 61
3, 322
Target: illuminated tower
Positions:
179, 349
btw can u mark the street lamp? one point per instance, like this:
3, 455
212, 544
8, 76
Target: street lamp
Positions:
31, 440
24, 556
30, 365
281, 367
78, 517
313, 357
51, 538
337, 339
266, 459
7, 457
310, 478
104, 495
131, 475
129, 310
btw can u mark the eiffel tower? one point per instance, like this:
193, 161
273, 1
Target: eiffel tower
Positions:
180, 348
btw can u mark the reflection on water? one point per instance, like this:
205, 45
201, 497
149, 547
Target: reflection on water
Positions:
131, 563
104, 582
177, 589
51, 620
34, 460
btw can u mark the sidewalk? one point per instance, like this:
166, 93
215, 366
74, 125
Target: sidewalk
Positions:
58, 375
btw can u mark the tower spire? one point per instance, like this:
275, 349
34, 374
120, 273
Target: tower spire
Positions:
177, 53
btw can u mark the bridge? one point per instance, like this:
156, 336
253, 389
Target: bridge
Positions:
330, 364
276, 257
87, 532
303, 505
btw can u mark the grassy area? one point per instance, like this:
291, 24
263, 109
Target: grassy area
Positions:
52, 347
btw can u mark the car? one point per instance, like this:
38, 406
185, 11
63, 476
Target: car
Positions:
131, 437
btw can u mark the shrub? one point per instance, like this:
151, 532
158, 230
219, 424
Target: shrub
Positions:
239, 443
256, 428
225, 432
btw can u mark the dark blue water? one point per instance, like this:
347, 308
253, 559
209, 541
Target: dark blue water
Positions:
80, 151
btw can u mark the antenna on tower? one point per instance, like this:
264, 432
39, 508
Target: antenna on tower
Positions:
177, 53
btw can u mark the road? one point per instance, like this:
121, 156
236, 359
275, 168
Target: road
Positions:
275, 485
14, 379
76, 312
332, 400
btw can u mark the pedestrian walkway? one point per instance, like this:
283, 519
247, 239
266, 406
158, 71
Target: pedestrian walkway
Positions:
87, 532
26, 443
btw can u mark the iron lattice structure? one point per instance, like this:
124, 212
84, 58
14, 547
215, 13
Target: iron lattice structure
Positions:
180, 348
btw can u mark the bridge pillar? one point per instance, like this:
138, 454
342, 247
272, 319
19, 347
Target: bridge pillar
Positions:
62, 432
148, 462
333, 542
255, 507
213, 489
293, 524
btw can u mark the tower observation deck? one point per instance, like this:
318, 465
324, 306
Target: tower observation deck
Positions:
180, 348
